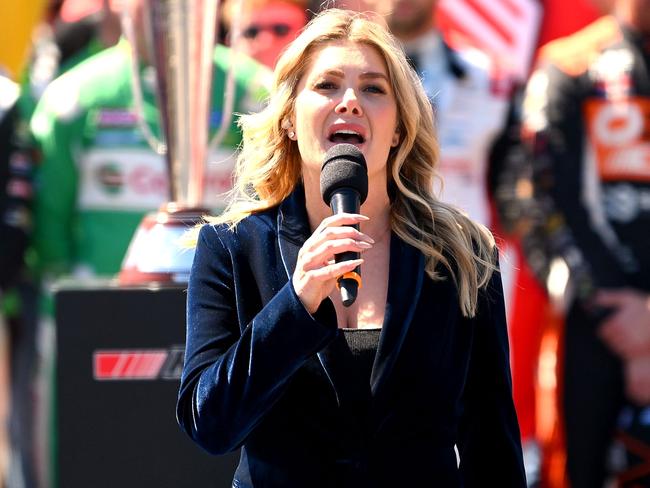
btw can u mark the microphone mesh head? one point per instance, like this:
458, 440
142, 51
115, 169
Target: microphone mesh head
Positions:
344, 167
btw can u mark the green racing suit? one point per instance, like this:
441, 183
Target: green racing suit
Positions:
98, 175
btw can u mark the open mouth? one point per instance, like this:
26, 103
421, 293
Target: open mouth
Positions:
346, 136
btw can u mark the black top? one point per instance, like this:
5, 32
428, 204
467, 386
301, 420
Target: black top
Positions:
352, 354
356, 359
362, 345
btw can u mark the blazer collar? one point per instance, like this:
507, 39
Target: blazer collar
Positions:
406, 275
292, 228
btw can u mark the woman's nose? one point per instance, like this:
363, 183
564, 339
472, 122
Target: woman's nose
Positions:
349, 103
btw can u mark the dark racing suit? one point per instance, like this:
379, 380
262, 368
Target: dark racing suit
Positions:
587, 119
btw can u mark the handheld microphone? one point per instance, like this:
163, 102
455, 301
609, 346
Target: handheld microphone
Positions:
344, 186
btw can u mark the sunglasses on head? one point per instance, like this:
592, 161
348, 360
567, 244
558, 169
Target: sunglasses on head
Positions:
253, 30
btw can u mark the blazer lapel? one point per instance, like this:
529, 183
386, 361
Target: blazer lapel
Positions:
293, 230
406, 274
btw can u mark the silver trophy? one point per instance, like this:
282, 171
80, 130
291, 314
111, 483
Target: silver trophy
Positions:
180, 37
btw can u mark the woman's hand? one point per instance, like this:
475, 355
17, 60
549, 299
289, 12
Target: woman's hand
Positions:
316, 272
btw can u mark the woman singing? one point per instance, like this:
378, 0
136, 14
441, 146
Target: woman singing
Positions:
379, 393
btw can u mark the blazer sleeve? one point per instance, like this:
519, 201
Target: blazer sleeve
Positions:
234, 373
489, 441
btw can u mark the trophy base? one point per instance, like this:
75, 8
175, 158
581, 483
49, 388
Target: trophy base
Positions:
156, 253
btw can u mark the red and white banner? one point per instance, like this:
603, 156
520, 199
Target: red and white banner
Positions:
505, 29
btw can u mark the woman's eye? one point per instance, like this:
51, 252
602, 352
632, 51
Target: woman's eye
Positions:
325, 85
374, 89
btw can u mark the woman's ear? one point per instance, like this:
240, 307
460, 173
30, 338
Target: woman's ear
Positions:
288, 126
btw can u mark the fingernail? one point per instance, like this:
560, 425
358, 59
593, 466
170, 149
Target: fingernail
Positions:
362, 217
364, 244
363, 237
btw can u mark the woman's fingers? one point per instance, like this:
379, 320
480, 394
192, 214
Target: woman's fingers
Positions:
314, 285
325, 251
338, 220
339, 231
332, 233
316, 271
334, 270
333, 240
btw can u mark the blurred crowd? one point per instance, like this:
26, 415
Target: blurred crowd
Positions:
543, 117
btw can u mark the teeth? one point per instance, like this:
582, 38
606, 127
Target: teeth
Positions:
347, 133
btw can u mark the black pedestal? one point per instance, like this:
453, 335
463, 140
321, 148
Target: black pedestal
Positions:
119, 358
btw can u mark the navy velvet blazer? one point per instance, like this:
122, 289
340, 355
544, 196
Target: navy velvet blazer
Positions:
257, 372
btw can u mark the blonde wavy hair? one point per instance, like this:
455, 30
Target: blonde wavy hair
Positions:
269, 165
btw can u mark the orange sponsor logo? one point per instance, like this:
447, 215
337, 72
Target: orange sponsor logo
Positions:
619, 134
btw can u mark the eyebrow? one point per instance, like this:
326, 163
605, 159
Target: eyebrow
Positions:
374, 74
367, 74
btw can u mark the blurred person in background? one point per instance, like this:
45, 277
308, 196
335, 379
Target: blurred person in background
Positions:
17, 343
477, 122
471, 103
99, 176
15, 194
15, 190
16, 169
72, 31
587, 126
64, 33
266, 26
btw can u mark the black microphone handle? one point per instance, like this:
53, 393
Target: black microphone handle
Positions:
346, 200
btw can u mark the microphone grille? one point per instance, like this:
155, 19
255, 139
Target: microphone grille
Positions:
344, 167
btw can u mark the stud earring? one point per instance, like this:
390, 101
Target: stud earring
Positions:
292, 134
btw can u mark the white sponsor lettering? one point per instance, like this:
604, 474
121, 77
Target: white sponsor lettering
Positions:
634, 159
135, 179
618, 124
